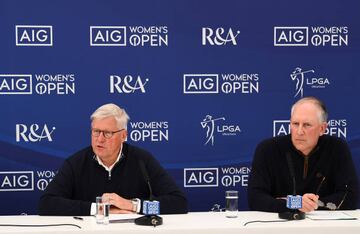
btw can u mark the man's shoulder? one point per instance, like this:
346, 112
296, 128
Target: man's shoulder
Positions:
136, 152
333, 141
276, 142
85, 153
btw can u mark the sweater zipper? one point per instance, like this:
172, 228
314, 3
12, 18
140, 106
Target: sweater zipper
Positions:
306, 166
109, 175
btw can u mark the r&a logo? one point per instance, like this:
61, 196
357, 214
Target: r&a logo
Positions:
34, 133
219, 36
127, 84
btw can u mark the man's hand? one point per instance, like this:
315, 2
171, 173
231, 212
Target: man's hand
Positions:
309, 202
119, 205
115, 210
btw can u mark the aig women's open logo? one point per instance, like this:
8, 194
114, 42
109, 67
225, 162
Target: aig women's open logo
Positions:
14, 181
227, 84
335, 127
42, 84
231, 176
129, 35
314, 35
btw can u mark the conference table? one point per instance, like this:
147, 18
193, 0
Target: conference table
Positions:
194, 222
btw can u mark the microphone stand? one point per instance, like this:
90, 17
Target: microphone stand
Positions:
292, 214
148, 220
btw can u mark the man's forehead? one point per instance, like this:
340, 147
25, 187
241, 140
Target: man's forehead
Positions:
107, 120
306, 108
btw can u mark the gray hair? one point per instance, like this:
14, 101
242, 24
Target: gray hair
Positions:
323, 114
112, 110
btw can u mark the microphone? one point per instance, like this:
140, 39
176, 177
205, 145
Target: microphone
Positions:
150, 208
293, 202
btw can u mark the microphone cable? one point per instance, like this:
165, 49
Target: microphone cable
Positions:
39, 225
267, 221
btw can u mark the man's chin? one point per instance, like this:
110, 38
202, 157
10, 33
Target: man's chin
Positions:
99, 152
300, 147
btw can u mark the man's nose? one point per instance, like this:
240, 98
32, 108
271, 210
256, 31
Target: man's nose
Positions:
300, 130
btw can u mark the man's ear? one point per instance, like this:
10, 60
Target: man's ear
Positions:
124, 135
323, 128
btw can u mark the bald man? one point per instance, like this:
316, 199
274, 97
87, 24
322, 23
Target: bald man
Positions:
324, 171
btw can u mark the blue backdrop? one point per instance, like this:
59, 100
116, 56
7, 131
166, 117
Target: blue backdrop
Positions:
202, 81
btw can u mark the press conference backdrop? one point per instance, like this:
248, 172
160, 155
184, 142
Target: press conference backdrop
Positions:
203, 82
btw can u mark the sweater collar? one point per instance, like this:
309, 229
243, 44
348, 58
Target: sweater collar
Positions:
313, 151
119, 157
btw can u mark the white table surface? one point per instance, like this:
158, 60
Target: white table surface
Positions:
196, 222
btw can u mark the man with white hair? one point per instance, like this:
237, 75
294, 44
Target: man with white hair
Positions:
323, 167
110, 168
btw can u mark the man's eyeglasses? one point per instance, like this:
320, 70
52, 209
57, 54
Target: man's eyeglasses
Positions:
332, 206
107, 134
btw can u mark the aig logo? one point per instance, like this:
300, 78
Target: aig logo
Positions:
219, 36
201, 177
201, 83
291, 36
127, 84
15, 84
33, 133
107, 36
16, 181
281, 127
34, 35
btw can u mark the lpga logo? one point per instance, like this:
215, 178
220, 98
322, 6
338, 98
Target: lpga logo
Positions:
298, 76
209, 124
224, 129
315, 81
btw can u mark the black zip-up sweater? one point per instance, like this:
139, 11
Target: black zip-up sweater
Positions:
270, 177
81, 179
